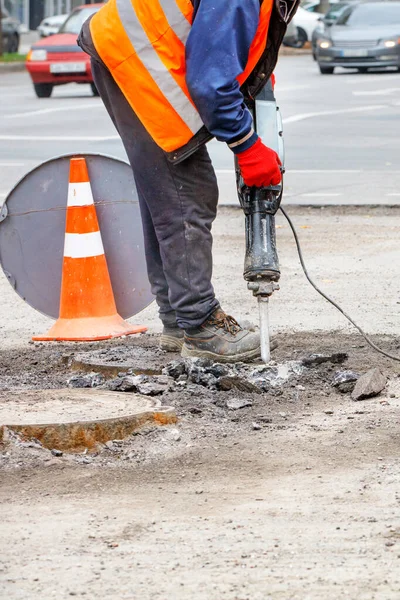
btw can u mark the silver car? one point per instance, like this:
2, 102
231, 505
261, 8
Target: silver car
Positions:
291, 37
10, 29
51, 25
365, 36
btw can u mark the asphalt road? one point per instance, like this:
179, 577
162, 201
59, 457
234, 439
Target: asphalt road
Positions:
341, 133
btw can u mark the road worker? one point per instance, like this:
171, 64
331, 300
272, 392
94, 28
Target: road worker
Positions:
173, 74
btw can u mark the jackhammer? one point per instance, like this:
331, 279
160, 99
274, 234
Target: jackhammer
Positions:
261, 264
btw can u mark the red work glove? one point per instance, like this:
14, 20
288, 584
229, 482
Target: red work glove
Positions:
259, 166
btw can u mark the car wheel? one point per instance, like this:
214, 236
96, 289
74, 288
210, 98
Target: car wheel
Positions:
11, 44
43, 90
326, 70
95, 91
14, 43
301, 38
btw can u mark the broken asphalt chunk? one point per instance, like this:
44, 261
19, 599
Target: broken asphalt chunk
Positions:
89, 380
237, 383
142, 384
345, 381
314, 360
242, 377
176, 368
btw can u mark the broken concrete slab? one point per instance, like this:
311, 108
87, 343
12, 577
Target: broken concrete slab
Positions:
75, 419
369, 385
113, 360
238, 403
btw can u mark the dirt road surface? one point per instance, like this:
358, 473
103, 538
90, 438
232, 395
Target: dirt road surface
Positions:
294, 496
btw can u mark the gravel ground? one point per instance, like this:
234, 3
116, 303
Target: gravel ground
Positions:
294, 495
352, 252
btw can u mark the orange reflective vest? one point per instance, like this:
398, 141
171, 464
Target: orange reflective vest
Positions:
142, 43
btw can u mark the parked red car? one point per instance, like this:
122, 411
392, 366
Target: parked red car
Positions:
58, 59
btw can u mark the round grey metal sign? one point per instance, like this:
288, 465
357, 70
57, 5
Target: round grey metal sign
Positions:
32, 229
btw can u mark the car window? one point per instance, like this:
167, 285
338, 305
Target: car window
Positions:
371, 14
334, 12
75, 21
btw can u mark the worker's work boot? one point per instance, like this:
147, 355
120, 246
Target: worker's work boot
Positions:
172, 338
220, 338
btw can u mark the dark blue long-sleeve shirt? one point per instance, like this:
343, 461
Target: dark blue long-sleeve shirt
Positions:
217, 51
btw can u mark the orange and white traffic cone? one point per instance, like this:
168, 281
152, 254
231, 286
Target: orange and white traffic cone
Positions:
87, 305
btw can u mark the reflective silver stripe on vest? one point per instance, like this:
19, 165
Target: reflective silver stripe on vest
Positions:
176, 19
156, 68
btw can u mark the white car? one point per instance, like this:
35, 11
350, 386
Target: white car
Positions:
51, 25
305, 22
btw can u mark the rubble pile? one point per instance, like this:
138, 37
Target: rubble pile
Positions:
188, 374
246, 378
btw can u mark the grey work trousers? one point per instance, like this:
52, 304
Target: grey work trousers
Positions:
178, 205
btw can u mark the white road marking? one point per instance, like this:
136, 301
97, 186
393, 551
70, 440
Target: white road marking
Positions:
291, 88
319, 194
44, 111
371, 78
325, 113
322, 171
384, 92
393, 194
316, 171
31, 96
348, 79
12, 87
58, 138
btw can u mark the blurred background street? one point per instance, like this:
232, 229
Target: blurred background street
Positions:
341, 133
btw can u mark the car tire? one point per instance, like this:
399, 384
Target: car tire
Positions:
326, 70
301, 38
43, 90
13, 44
95, 91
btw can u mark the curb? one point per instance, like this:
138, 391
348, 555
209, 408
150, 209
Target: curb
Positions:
16, 67
287, 51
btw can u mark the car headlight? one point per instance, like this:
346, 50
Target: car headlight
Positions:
391, 43
37, 55
324, 44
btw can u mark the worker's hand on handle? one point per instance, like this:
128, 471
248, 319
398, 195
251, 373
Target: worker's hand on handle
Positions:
260, 166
